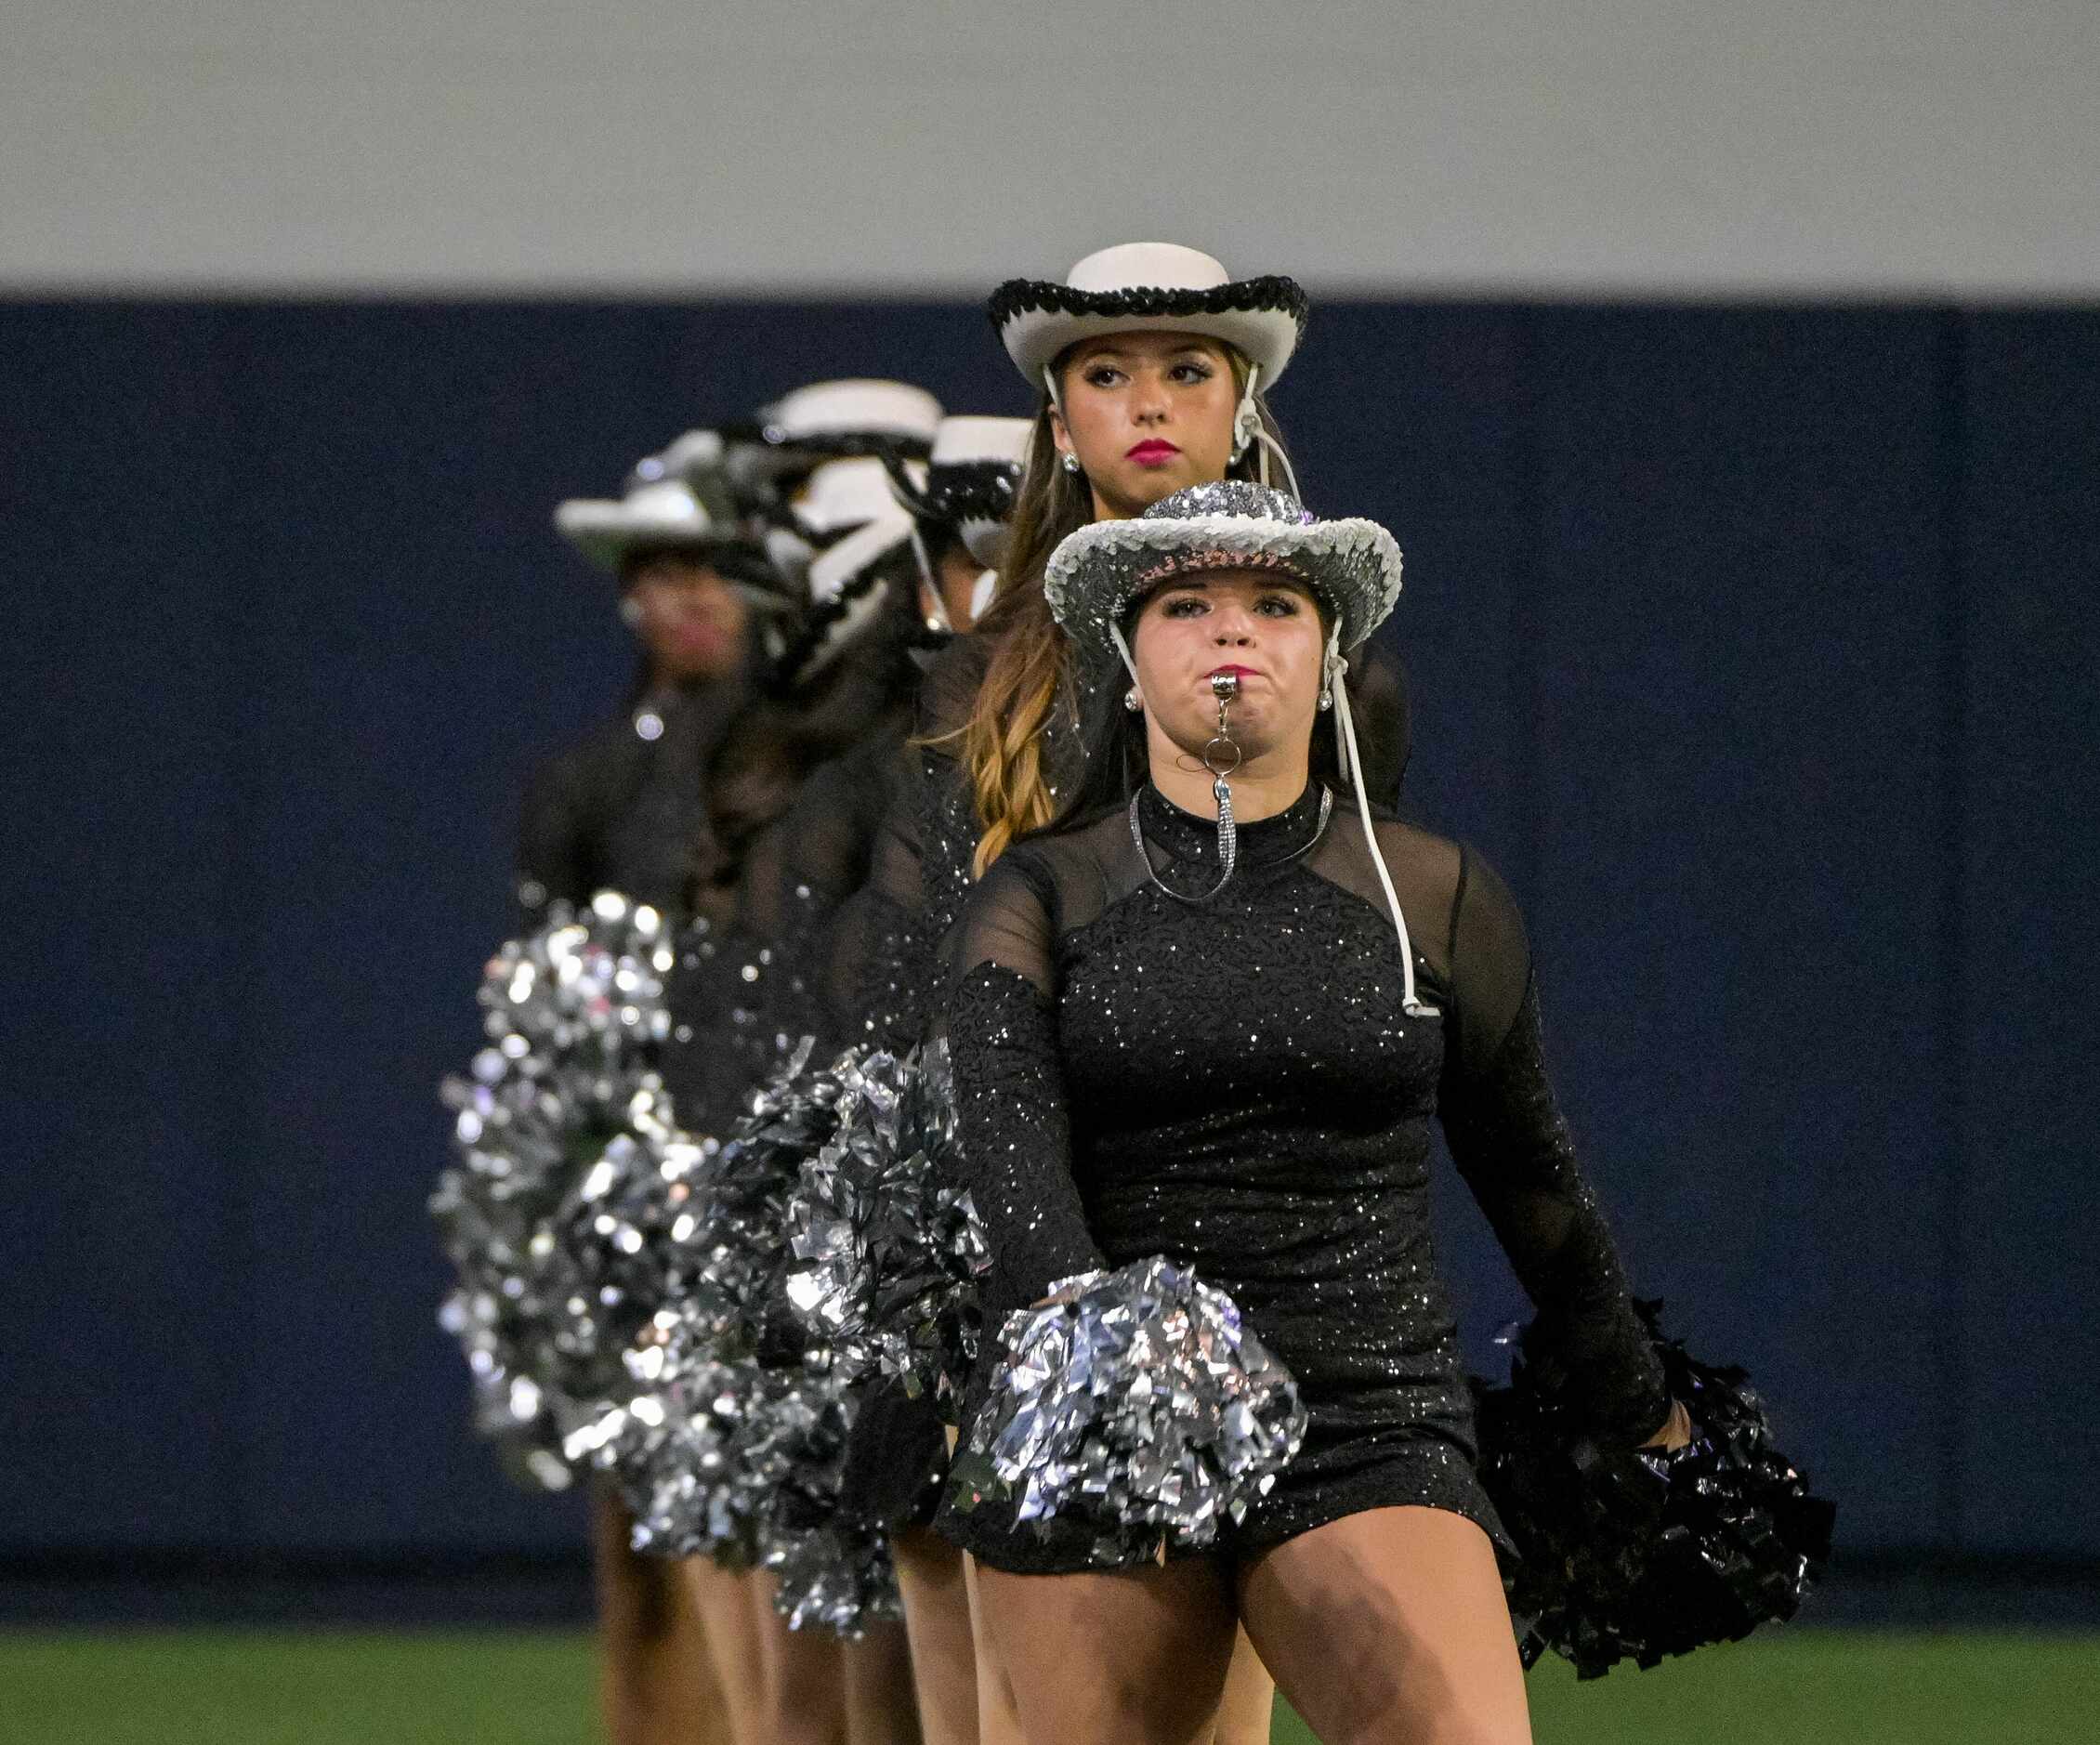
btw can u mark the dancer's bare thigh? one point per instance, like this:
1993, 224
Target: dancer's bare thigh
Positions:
936, 1617
1128, 1654
1389, 1628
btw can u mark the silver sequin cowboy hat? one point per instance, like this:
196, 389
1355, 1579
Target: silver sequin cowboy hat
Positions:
1158, 287
1097, 574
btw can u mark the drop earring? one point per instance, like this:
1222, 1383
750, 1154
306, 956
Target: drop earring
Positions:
1133, 699
631, 612
1072, 463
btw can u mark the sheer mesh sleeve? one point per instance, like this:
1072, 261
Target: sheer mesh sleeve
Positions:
1012, 1124
1513, 1147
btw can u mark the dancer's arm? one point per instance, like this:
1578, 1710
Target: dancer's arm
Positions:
1014, 1127
1512, 1145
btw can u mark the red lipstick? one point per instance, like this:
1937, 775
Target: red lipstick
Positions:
1153, 452
1237, 672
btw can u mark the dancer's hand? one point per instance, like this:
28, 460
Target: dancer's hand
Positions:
1677, 1430
1064, 1291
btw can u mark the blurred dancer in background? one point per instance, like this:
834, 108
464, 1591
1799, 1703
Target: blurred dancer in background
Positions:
625, 808
858, 962
788, 842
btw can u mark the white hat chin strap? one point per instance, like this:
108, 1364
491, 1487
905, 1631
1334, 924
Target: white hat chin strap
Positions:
1123, 648
1337, 670
1248, 427
983, 594
937, 614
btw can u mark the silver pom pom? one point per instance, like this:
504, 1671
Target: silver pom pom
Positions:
1139, 1407
834, 1570
739, 1462
564, 1152
686, 1441
732, 1267
886, 1256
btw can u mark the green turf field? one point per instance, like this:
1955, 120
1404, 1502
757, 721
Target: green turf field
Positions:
213, 1687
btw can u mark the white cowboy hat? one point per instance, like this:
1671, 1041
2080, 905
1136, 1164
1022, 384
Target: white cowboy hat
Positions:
676, 501
843, 495
659, 508
1157, 287
828, 419
849, 584
970, 480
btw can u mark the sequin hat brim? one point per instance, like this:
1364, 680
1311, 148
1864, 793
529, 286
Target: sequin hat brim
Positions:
1099, 572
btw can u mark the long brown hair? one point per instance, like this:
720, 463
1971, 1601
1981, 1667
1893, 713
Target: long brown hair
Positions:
1027, 678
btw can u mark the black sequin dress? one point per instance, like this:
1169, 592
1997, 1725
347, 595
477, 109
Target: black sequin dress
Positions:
884, 976
1233, 1084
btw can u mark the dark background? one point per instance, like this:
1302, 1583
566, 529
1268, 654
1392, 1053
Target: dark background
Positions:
1756, 645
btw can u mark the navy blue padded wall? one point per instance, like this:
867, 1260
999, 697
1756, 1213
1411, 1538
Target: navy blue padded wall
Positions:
2020, 1242
1734, 634
1409, 414
1754, 645
125, 878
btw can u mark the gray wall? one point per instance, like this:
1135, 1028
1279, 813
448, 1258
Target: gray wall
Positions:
1593, 147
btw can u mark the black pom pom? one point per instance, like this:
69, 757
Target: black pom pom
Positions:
1638, 1555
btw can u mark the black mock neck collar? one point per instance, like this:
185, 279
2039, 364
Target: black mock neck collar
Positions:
1188, 836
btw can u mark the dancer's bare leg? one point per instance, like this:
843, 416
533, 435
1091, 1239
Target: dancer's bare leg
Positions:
729, 1618
657, 1684
936, 1617
1129, 1654
880, 1706
805, 1678
1248, 1711
1389, 1628
999, 1719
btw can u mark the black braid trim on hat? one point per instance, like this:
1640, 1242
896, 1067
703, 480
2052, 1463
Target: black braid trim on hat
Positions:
745, 563
814, 644
1273, 291
827, 445
956, 491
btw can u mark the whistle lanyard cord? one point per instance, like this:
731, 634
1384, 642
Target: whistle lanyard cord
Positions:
1411, 1002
